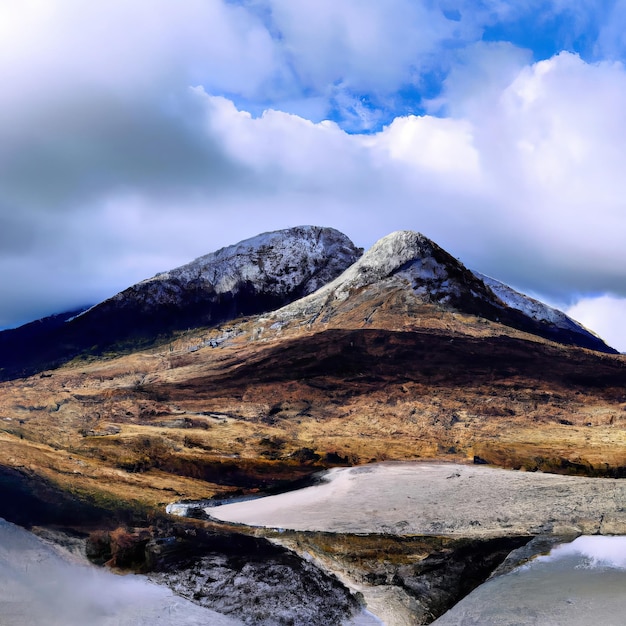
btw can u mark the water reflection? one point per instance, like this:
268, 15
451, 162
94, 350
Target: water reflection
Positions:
577, 584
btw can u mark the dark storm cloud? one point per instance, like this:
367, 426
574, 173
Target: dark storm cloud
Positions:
72, 152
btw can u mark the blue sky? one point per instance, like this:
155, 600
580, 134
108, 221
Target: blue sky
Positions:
136, 136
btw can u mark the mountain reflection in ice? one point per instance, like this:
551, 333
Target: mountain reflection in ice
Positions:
39, 588
577, 584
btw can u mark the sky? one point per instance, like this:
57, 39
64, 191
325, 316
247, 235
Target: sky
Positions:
137, 136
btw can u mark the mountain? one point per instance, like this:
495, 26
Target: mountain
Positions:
410, 270
32, 343
256, 275
317, 273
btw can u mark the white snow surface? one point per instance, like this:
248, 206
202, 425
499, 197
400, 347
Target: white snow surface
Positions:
386, 257
39, 588
431, 498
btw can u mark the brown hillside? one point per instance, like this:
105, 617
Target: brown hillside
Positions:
269, 403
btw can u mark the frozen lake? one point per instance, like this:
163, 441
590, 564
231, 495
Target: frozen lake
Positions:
577, 584
425, 498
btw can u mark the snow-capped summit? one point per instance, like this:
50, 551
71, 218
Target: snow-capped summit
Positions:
301, 259
425, 269
387, 256
256, 275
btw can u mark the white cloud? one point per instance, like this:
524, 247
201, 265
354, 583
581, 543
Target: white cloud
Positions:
551, 144
611, 40
605, 315
70, 44
362, 45
439, 146
126, 145
478, 75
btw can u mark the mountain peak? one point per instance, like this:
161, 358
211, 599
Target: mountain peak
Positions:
409, 263
253, 276
387, 256
250, 277
390, 253
302, 258
410, 256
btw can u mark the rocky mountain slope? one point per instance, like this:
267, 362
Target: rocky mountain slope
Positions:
542, 313
256, 275
418, 271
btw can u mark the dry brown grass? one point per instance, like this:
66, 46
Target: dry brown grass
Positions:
190, 421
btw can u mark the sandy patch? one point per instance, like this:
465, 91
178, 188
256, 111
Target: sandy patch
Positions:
443, 499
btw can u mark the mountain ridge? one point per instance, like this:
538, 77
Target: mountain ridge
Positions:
307, 271
253, 276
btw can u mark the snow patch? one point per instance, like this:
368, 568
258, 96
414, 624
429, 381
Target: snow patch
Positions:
530, 307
